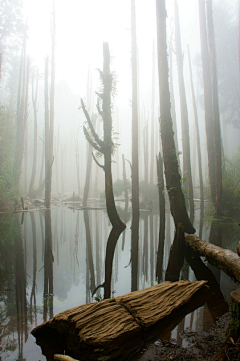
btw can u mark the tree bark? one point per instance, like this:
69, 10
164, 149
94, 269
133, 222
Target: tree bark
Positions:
208, 106
34, 166
135, 160
105, 146
173, 182
187, 172
224, 259
216, 115
162, 218
197, 139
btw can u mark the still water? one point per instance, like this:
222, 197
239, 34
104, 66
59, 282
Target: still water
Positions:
40, 277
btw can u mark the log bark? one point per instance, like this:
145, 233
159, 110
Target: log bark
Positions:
224, 259
114, 329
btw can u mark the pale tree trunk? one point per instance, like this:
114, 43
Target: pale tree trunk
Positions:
48, 164
34, 166
152, 163
22, 114
187, 172
135, 161
216, 115
197, 138
173, 182
207, 100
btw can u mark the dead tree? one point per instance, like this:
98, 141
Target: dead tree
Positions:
216, 115
187, 172
208, 107
105, 146
22, 113
35, 110
173, 181
135, 160
197, 138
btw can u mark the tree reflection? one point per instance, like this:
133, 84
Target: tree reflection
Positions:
48, 269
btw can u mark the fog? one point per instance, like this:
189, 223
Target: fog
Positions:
81, 29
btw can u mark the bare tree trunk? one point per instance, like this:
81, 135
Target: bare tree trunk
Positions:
173, 183
135, 161
21, 113
197, 138
162, 218
48, 164
105, 147
207, 100
216, 115
187, 173
152, 163
34, 166
145, 158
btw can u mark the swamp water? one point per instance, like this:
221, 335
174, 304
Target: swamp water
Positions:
52, 261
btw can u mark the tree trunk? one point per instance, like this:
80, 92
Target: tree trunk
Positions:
173, 182
34, 166
48, 164
187, 172
207, 100
152, 163
162, 218
197, 139
135, 162
216, 115
22, 113
224, 259
105, 147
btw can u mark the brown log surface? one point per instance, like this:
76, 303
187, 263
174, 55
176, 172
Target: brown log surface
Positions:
113, 328
224, 259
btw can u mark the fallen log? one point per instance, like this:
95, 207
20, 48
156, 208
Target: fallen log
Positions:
115, 328
224, 259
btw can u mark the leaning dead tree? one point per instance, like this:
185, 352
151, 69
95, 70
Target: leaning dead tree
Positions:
105, 146
173, 181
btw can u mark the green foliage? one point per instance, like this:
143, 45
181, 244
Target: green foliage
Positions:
8, 188
231, 187
118, 188
152, 190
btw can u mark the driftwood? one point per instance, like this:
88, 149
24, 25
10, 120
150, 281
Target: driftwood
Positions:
115, 328
225, 259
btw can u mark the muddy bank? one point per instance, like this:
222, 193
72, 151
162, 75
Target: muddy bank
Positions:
199, 345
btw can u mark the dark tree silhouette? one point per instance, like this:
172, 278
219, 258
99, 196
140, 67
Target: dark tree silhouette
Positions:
105, 147
173, 182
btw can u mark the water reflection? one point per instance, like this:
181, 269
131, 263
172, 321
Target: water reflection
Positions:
55, 259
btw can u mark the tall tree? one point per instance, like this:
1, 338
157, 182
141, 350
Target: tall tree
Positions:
135, 161
216, 115
187, 172
106, 147
49, 120
208, 106
173, 181
197, 139
34, 166
48, 160
22, 112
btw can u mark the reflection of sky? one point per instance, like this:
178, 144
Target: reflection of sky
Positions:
70, 276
